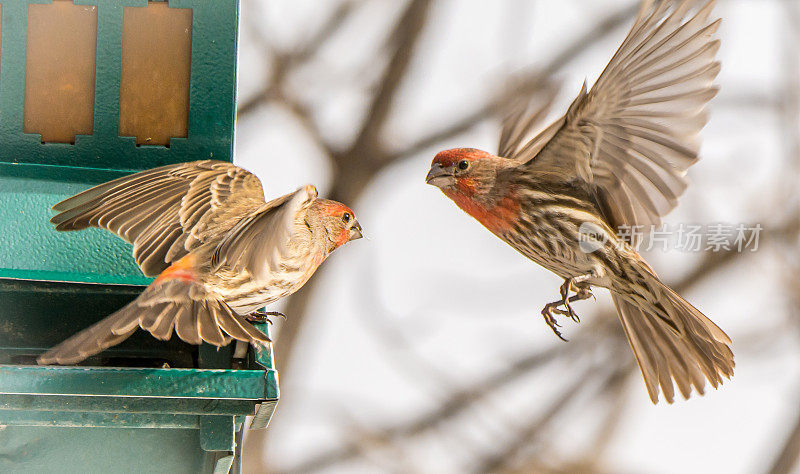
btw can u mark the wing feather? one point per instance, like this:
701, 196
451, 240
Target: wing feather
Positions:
523, 118
162, 211
632, 137
271, 227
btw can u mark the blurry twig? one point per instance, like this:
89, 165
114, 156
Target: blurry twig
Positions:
333, 24
611, 386
283, 62
352, 167
616, 397
789, 455
528, 435
527, 83
786, 460
454, 405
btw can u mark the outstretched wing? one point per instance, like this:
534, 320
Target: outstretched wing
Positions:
632, 137
260, 242
165, 211
522, 119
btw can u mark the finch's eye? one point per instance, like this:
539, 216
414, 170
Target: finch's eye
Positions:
463, 165
346, 217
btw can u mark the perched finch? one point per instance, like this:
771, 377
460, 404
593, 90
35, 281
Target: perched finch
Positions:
220, 251
617, 158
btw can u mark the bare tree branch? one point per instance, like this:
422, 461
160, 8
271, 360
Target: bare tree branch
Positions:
454, 406
283, 63
789, 455
402, 42
528, 82
786, 460
527, 436
616, 397
332, 26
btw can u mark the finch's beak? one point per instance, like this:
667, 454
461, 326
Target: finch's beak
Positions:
440, 177
355, 232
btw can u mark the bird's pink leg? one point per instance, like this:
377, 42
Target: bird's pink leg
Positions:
582, 291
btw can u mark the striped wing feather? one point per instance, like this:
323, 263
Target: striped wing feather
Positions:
522, 119
164, 212
260, 242
632, 137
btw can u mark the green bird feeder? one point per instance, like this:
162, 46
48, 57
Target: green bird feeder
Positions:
91, 90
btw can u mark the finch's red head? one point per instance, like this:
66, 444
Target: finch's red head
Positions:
463, 170
339, 222
469, 177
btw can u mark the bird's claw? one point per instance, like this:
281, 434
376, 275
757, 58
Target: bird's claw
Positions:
547, 313
569, 312
572, 314
261, 316
258, 319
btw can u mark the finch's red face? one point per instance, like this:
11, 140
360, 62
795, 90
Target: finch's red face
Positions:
339, 221
459, 169
468, 177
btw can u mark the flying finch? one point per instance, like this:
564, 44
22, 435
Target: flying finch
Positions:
617, 158
220, 251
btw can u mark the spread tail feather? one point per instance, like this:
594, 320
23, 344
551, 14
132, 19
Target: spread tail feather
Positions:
674, 341
194, 313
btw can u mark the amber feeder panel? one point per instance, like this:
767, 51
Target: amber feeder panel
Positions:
60, 65
156, 63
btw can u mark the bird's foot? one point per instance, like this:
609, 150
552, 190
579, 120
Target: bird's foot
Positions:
547, 313
582, 292
261, 316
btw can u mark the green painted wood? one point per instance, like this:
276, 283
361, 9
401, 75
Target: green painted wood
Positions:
273, 391
115, 381
108, 404
54, 284
30, 248
65, 174
98, 419
62, 450
217, 433
264, 357
212, 93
